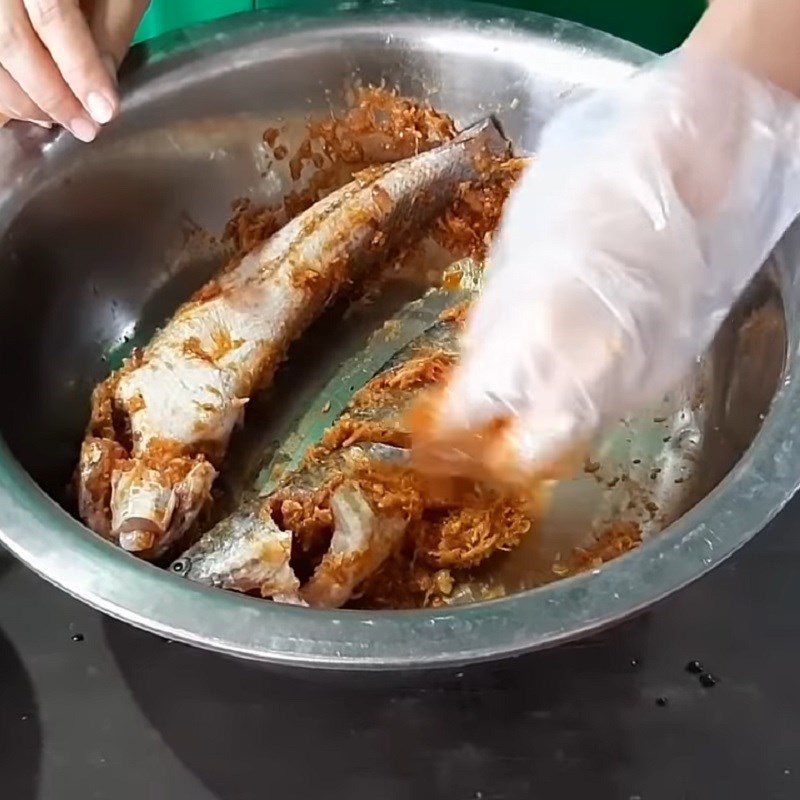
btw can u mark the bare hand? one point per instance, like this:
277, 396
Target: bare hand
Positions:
58, 60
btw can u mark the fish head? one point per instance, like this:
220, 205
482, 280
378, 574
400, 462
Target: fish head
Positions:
246, 552
99, 459
150, 512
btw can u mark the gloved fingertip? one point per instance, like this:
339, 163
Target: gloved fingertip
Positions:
552, 449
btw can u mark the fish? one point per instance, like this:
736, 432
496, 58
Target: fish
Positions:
323, 511
249, 552
160, 426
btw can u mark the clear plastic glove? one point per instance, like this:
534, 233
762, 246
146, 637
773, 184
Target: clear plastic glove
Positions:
650, 207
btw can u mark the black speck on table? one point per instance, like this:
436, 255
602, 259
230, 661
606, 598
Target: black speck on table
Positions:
91, 708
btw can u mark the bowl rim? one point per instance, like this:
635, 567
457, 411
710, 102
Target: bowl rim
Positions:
60, 549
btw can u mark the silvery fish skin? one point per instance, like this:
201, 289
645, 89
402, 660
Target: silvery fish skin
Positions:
248, 552
162, 424
226, 556
362, 540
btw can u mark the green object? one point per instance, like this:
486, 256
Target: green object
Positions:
168, 15
658, 25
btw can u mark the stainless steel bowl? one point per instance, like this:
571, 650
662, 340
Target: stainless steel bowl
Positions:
94, 253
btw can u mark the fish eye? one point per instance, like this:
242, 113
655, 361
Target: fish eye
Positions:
181, 566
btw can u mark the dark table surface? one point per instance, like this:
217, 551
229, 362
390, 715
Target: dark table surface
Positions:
91, 708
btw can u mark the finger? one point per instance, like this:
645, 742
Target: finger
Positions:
28, 62
113, 24
549, 445
5, 117
15, 103
65, 33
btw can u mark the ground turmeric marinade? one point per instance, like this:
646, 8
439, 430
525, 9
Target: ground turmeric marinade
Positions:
451, 528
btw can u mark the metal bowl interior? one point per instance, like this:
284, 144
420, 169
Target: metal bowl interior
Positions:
94, 253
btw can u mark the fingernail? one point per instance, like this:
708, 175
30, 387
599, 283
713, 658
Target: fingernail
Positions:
41, 123
82, 129
99, 107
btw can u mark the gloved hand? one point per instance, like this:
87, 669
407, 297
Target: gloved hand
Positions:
649, 208
58, 60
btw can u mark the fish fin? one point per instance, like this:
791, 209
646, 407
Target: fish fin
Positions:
361, 542
489, 132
